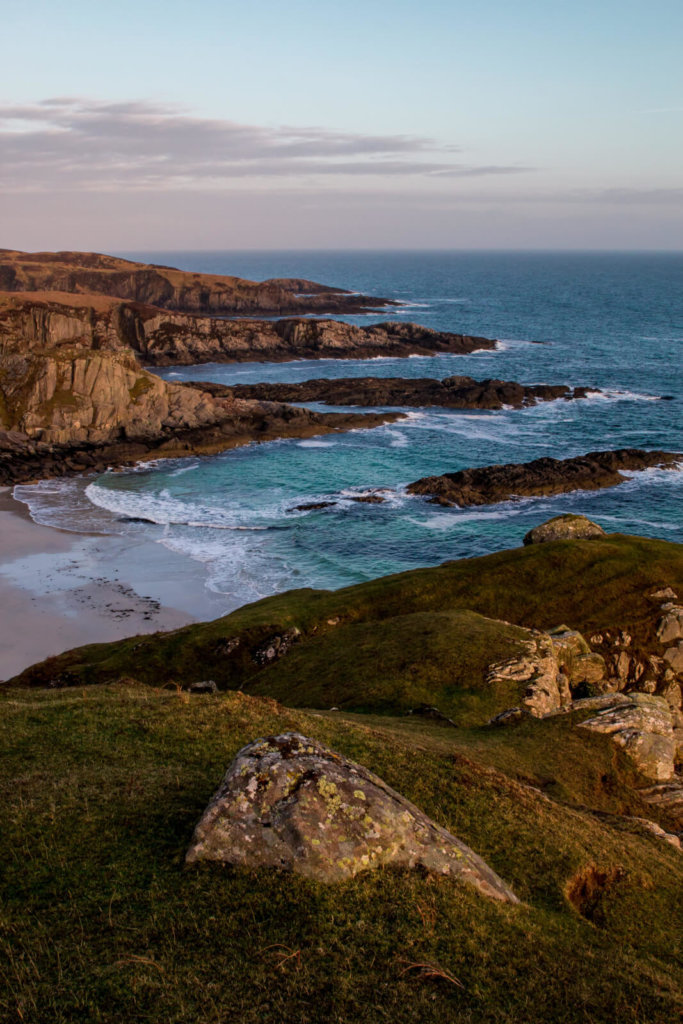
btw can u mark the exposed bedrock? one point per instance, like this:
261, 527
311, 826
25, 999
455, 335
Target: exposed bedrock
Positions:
170, 339
164, 338
288, 802
490, 484
23, 458
452, 392
169, 288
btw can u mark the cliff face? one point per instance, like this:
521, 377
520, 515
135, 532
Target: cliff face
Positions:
177, 339
168, 339
74, 398
168, 288
66, 376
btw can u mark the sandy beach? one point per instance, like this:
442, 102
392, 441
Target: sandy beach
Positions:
60, 589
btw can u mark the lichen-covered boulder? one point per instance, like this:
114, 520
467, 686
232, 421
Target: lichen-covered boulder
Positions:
641, 724
564, 527
288, 802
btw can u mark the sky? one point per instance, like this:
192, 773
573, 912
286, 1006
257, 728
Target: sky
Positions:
411, 124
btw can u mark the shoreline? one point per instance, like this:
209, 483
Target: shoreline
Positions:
61, 589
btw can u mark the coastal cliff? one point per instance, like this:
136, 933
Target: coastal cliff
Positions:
74, 396
163, 338
169, 288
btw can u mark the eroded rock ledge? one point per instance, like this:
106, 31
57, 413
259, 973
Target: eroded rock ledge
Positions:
288, 802
450, 393
491, 484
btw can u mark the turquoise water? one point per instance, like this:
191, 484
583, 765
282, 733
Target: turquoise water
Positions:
608, 320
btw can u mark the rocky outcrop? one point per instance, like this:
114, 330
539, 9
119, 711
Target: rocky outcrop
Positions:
640, 724
450, 393
288, 802
22, 458
552, 665
491, 484
74, 397
564, 527
171, 339
166, 338
670, 626
168, 288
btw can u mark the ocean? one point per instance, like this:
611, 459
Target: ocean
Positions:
608, 320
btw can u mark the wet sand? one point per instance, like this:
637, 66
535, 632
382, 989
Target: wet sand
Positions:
59, 589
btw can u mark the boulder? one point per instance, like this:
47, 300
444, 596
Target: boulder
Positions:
670, 626
288, 802
641, 724
673, 656
588, 668
564, 527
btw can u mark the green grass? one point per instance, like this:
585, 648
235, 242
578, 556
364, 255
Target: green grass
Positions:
100, 921
401, 640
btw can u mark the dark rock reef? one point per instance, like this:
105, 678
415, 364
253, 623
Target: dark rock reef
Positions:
490, 484
450, 393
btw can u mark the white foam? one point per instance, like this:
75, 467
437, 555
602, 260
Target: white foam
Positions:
619, 395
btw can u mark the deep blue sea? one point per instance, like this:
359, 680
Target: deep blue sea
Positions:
613, 321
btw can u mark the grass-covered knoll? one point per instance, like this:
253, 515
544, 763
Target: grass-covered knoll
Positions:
401, 640
100, 790
425, 658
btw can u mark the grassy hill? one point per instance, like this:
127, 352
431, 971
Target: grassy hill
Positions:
418, 637
103, 779
100, 921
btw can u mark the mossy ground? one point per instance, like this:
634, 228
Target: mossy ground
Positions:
100, 921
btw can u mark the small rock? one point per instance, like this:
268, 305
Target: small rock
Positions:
665, 594
428, 711
204, 686
564, 527
288, 802
510, 717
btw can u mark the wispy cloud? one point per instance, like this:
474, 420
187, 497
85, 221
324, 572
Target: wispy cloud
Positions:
68, 143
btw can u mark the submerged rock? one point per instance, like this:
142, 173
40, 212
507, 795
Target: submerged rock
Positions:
288, 802
564, 527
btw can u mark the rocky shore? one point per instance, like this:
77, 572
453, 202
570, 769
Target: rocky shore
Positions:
450, 393
490, 484
24, 459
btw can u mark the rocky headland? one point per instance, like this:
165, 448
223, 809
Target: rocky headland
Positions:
161, 338
450, 393
74, 394
489, 485
90, 273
